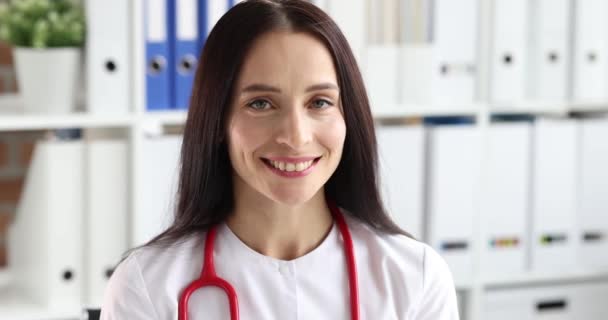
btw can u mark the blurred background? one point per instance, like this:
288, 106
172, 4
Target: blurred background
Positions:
491, 119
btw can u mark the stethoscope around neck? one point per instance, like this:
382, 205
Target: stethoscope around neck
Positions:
209, 277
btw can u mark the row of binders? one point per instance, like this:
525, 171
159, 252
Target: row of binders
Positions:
73, 221
551, 50
540, 52
546, 52
174, 33
536, 191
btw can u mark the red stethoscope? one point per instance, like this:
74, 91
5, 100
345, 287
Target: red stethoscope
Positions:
209, 278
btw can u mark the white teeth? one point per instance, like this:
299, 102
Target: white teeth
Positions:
290, 167
300, 166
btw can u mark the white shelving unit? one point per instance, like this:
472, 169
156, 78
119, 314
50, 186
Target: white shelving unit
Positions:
138, 123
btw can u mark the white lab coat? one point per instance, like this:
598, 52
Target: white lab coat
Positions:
399, 278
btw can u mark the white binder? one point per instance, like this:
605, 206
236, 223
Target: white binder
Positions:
107, 51
350, 16
46, 240
553, 237
157, 187
452, 185
106, 213
593, 202
455, 40
416, 69
549, 50
381, 77
509, 51
504, 212
543, 303
401, 163
590, 51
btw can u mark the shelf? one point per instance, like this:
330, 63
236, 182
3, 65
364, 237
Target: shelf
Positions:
15, 307
558, 108
589, 106
420, 110
12, 119
177, 117
537, 278
548, 108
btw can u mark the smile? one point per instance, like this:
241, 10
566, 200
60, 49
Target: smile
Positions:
291, 168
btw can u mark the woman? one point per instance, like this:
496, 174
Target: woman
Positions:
278, 179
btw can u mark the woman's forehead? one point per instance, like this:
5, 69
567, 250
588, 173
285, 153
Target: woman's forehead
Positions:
287, 59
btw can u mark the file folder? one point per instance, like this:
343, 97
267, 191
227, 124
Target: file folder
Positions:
509, 51
45, 243
107, 54
157, 187
593, 201
452, 187
542, 303
590, 51
186, 50
106, 215
504, 214
159, 56
401, 163
349, 15
549, 50
454, 37
554, 180
381, 77
416, 69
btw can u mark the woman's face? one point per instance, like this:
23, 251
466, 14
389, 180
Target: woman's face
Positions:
286, 130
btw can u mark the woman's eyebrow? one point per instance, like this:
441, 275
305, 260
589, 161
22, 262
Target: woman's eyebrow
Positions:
260, 87
266, 88
322, 86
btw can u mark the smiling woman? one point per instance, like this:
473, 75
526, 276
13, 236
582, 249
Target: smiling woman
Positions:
278, 201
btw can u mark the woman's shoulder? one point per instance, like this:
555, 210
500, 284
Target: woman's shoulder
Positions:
417, 276
147, 274
166, 254
404, 255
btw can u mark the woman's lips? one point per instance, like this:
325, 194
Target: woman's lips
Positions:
291, 174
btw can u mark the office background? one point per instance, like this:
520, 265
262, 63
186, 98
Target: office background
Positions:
491, 120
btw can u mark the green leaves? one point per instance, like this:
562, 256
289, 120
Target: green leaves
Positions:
42, 23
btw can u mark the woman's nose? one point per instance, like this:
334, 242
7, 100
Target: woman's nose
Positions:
295, 129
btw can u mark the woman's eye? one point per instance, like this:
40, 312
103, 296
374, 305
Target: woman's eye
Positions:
321, 103
259, 104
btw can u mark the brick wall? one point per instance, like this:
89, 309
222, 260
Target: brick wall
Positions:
8, 81
15, 155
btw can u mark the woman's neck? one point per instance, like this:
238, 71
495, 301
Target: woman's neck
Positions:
280, 231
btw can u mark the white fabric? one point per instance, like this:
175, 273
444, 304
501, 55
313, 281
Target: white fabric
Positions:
399, 278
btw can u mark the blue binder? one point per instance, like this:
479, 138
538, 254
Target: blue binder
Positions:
186, 49
158, 22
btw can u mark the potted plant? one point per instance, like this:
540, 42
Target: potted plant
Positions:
47, 37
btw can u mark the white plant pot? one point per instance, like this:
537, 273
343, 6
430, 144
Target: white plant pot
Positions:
48, 78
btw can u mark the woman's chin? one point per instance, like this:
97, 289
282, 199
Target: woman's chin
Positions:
292, 197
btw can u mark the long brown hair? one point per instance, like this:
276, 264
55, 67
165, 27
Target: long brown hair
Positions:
205, 195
